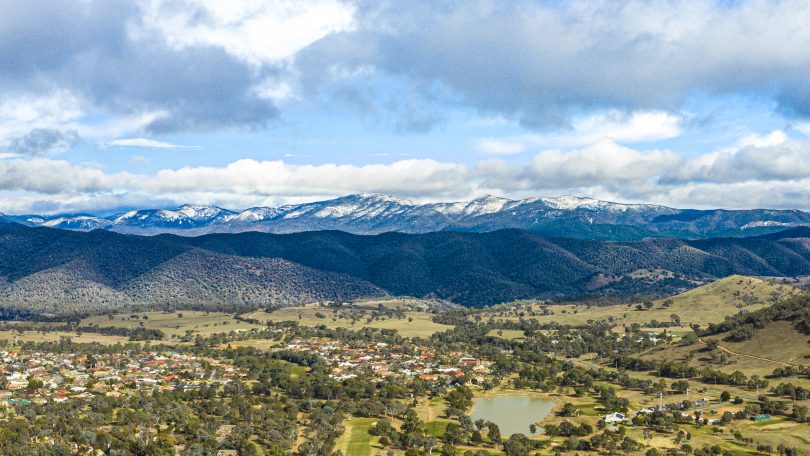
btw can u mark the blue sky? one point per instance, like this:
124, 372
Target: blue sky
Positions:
110, 105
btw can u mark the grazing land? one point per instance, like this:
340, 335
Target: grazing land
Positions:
709, 303
366, 315
174, 324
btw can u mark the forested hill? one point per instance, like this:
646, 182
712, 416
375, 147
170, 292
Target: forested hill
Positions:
58, 270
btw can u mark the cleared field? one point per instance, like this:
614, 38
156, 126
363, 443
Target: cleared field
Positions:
356, 441
53, 336
414, 324
508, 334
174, 324
261, 344
709, 303
778, 344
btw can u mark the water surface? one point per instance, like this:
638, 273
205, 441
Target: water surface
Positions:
512, 414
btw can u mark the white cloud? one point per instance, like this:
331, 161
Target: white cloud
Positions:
614, 126
256, 31
603, 162
147, 143
776, 175
499, 147
268, 178
779, 161
47, 176
773, 138
637, 127
65, 111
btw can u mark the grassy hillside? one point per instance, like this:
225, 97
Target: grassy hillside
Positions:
706, 304
778, 344
753, 342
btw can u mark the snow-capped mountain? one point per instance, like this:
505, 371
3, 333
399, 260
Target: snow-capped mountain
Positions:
564, 216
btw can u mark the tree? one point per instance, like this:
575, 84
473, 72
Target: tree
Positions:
517, 445
493, 432
567, 410
454, 434
680, 386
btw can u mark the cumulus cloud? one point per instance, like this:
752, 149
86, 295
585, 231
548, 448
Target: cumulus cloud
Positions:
784, 161
276, 178
541, 62
41, 141
612, 125
47, 176
255, 31
603, 163
96, 51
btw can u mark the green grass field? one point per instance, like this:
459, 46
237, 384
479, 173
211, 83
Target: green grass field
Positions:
356, 441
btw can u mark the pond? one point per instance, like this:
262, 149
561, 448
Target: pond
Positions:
512, 414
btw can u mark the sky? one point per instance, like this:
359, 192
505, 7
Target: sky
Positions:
109, 105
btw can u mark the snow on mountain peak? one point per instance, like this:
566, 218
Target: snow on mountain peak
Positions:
381, 198
371, 213
254, 214
568, 202
198, 212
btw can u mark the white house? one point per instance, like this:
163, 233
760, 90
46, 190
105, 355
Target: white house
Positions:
615, 418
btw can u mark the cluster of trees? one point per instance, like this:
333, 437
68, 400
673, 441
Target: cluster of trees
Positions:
155, 423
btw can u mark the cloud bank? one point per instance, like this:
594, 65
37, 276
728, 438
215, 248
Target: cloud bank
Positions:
770, 176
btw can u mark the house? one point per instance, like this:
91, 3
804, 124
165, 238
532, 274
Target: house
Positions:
615, 418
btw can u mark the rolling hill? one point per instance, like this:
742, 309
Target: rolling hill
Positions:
58, 271
706, 304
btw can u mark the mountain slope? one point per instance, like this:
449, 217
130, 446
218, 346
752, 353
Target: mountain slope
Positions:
565, 216
57, 270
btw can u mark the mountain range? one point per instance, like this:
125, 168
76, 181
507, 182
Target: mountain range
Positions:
53, 271
565, 216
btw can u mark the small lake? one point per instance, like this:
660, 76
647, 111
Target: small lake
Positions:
512, 414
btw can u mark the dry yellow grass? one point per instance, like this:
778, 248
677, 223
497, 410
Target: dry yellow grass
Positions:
415, 324
199, 323
53, 336
776, 345
710, 303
